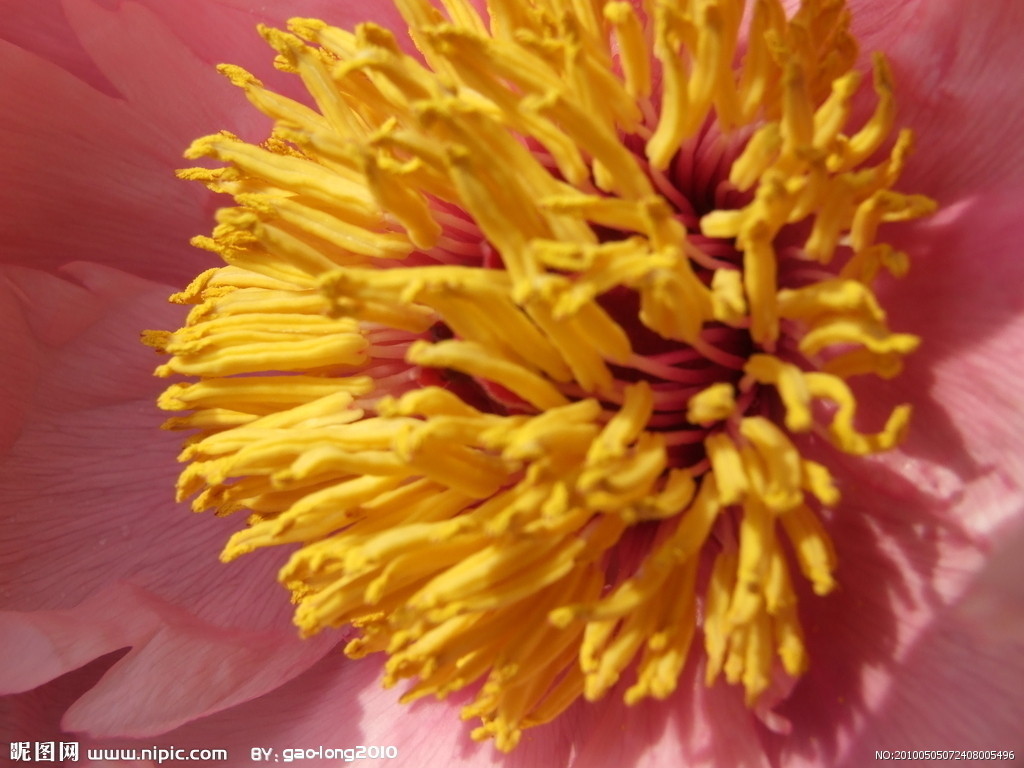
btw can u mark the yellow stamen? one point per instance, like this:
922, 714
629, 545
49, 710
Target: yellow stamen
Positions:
472, 343
715, 403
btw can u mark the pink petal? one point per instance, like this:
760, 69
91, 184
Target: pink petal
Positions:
895, 663
42, 28
148, 64
992, 607
35, 715
696, 726
178, 668
86, 181
86, 494
954, 70
21, 367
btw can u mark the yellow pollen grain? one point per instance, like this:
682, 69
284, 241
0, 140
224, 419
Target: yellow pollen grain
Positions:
415, 369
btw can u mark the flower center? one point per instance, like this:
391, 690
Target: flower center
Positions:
523, 342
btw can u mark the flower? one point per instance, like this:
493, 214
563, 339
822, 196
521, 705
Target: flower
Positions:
955, 506
513, 342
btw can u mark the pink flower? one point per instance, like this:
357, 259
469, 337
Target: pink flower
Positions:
920, 648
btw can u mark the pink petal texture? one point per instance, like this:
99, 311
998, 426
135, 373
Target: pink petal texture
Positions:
993, 606
42, 27
687, 729
956, 86
60, 159
118, 624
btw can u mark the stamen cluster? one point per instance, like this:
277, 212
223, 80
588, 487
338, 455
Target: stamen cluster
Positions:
518, 333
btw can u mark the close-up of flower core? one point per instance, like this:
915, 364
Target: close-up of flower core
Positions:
529, 329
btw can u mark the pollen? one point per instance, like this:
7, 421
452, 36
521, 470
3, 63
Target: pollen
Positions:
531, 327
